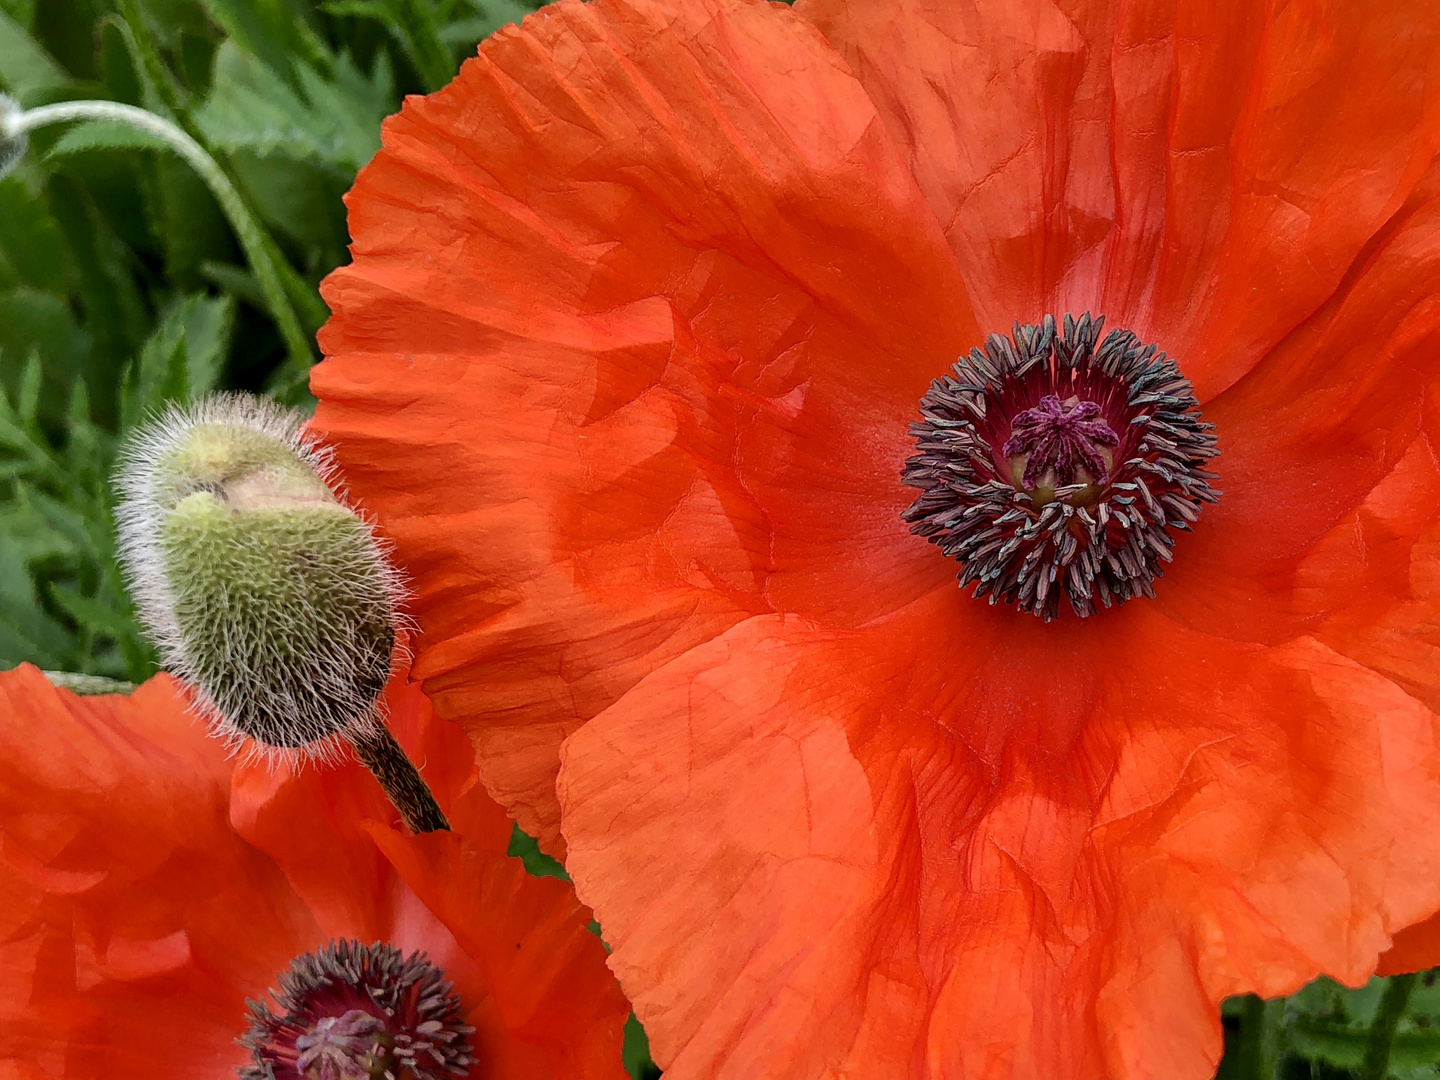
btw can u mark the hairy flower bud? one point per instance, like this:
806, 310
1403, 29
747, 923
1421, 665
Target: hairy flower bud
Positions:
261, 588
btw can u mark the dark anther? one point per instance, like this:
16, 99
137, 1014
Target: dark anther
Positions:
1056, 464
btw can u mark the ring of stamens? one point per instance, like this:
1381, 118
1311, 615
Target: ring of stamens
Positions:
359, 1012
1056, 464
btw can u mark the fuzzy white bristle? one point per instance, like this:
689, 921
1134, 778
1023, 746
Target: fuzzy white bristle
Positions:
323, 698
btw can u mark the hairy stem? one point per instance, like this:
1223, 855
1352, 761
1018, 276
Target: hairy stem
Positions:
252, 238
382, 755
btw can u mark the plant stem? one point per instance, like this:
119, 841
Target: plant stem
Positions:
1382, 1029
382, 755
1257, 1055
252, 238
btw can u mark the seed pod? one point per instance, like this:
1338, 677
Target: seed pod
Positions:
261, 588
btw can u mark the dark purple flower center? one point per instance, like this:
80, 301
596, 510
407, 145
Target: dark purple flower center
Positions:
1055, 464
359, 1012
1060, 440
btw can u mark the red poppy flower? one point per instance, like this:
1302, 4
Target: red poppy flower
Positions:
143, 901
640, 312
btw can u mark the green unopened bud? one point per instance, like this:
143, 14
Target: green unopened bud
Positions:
262, 590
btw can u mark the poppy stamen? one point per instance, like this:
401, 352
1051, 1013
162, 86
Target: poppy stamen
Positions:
1054, 463
359, 1012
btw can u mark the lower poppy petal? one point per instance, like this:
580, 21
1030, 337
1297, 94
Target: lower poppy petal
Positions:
544, 973
349, 886
136, 924
819, 852
643, 231
1202, 172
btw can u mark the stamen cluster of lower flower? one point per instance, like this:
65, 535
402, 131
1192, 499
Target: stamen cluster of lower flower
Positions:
1084, 541
354, 1011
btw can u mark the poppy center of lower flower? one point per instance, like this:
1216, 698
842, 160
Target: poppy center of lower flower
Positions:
1056, 464
358, 1012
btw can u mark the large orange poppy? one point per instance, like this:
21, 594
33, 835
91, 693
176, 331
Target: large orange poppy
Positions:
146, 892
640, 312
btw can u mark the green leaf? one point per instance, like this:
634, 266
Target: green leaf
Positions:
30, 239
635, 1052
26, 68
27, 632
335, 124
103, 135
490, 16
269, 30
39, 323
204, 325
526, 848
158, 377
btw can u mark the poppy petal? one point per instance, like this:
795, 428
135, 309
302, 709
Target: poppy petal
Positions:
532, 977
544, 972
626, 230
1126, 851
1204, 173
1308, 434
136, 923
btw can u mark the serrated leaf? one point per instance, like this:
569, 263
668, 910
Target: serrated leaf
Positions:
201, 325
27, 632
103, 135
95, 615
336, 125
40, 323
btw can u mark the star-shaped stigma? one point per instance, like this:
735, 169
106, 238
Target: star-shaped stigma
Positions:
1061, 438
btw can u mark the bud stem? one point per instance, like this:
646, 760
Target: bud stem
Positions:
382, 755
247, 230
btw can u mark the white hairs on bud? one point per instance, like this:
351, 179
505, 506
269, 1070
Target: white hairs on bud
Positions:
333, 704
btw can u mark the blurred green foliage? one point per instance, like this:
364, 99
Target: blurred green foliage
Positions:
121, 285
122, 289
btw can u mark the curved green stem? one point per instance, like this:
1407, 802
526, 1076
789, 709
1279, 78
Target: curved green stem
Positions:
252, 238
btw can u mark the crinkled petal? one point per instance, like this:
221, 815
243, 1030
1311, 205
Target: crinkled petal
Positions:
530, 974
136, 923
1306, 437
636, 302
928, 848
1203, 172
